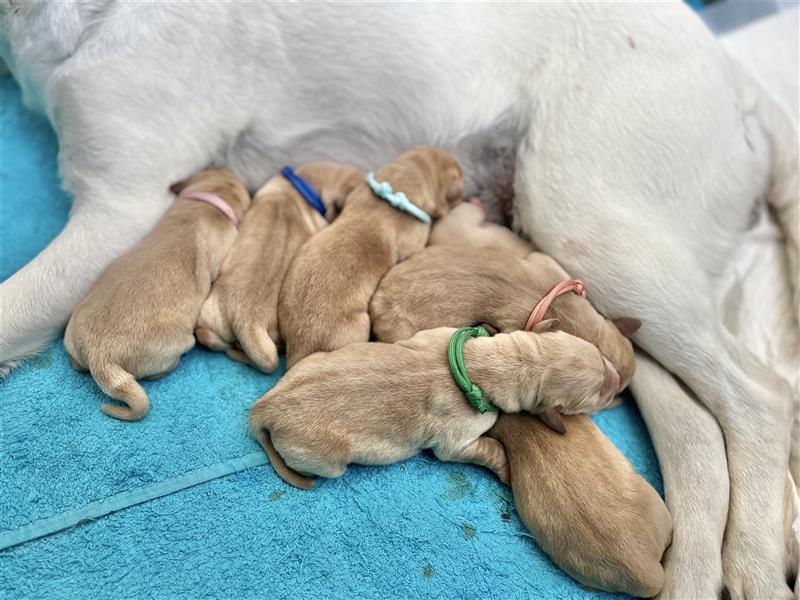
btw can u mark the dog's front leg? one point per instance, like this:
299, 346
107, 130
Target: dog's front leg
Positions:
691, 452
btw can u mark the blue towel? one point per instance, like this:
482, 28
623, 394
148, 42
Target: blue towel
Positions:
182, 503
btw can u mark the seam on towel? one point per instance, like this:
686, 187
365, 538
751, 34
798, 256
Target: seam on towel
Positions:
106, 506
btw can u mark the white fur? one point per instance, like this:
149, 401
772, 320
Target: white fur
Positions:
639, 154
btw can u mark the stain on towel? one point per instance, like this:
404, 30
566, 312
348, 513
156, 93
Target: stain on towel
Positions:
458, 486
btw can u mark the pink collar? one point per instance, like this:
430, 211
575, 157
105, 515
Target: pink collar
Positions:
213, 200
570, 285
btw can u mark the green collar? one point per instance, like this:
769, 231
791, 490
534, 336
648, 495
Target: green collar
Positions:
455, 356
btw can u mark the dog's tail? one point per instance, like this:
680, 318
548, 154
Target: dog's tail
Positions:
259, 347
121, 385
286, 473
783, 194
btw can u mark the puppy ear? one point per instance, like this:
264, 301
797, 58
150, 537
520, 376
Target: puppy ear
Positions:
547, 325
455, 187
177, 187
627, 326
553, 419
335, 203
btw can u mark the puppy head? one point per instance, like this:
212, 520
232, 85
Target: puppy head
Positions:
572, 373
333, 181
458, 226
222, 182
443, 177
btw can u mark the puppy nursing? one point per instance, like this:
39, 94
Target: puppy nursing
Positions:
242, 308
376, 403
139, 317
462, 285
325, 297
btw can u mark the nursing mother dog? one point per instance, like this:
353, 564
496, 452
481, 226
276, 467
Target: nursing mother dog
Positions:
618, 137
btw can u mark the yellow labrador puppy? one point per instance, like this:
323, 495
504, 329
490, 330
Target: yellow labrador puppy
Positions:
140, 315
325, 296
375, 403
240, 316
453, 286
466, 224
589, 510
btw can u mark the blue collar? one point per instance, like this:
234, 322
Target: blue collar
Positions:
398, 200
305, 189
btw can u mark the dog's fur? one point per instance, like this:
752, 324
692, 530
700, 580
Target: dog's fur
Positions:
139, 316
634, 149
455, 286
325, 296
610, 528
242, 309
377, 403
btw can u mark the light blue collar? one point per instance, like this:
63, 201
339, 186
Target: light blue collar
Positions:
398, 200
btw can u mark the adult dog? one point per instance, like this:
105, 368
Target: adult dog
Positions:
636, 151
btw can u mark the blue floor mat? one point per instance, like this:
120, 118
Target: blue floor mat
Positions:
181, 503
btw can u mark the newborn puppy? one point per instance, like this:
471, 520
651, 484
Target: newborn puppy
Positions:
324, 300
588, 509
454, 286
466, 224
242, 308
373, 403
139, 316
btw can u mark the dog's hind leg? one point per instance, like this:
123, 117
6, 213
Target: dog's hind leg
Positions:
691, 453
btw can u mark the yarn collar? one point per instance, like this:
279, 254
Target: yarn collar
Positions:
384, 191
455, 358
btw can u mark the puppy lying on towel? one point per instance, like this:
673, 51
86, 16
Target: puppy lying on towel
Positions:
243, 306
140, 315
588, 509
604, 524
325, 296
376, 403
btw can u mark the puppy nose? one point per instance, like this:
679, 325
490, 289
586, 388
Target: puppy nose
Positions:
611, 381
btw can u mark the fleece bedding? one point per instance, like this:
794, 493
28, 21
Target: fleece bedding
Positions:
183, 504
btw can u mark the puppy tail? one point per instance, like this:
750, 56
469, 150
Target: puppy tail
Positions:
286, 473
121, 385
259, 347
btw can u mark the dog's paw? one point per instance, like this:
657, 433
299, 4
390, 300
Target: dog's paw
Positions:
692, 567
749, 573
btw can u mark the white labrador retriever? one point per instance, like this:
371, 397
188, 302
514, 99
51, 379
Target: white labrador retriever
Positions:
637, 153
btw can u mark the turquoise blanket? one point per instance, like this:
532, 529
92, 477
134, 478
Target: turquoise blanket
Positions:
182, 503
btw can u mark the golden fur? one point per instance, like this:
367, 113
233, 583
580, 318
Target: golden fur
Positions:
139, 317
586, 506
458, 285
240, 316
577, 493
325, 296
466, 224
376, 403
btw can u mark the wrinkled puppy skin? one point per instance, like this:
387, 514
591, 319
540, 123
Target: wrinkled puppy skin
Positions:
586, 506
240, 316
346, 261
139, 317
